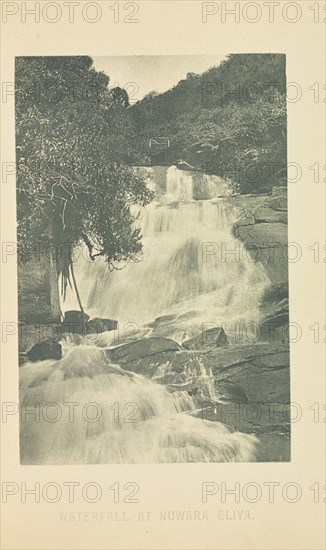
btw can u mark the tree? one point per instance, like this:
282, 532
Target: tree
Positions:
73, 139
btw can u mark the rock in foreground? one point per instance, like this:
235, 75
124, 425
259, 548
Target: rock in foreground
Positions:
98, 325
45, 350
74, 322
212, 338
141, 348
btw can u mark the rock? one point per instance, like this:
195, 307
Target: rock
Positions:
188, 315
75, 316
229, 391
183, 165
73, 322
276, 293
22, 359
263, 378
246, 220
269, 215
162, 320
263, 234
141, 349
29, 335
98, 325
267, 244
45, 350
212, 338
280, 360
274, 325
278, 202
280, 190
165, 318
264, 385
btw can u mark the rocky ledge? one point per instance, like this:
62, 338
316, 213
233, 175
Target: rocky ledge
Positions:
251, 383
263, 230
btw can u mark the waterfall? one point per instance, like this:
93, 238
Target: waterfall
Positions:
91, 411
192, 267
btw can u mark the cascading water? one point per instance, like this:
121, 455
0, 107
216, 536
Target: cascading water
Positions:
89, 411
189, 275
193, 268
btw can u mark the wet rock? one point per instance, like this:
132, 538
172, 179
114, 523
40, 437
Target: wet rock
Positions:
31, 334
45, 350
75, 316
275, 293
278, 202
269, 215
263, 234
267, 244
228, 391
248, 219
274, 325
74, 322
22, 359
188, 315
141, 349
98, 325
212, 338
162, 320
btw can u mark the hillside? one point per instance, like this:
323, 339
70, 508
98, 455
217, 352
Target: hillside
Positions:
229, 121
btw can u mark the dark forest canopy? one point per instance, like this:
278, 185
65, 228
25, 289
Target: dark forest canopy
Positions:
74, 152
230, 120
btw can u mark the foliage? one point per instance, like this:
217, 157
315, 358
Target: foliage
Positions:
75, 154
230, 121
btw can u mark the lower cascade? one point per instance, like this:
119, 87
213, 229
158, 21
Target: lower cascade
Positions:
193, 272
89, 411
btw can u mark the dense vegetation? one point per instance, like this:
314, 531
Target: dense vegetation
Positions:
74, 153
230, 121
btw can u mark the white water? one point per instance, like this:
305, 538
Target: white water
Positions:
191, 264
136, 420
142, 420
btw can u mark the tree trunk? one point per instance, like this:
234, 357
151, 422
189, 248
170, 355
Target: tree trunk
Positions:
78, 296
53, 278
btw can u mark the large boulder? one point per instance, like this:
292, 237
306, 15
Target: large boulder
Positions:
74, 322
74, 316
98, 325
45, 350
141, 349
212, 338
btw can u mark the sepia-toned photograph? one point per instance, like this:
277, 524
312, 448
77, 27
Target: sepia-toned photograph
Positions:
163, 275
152, 259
